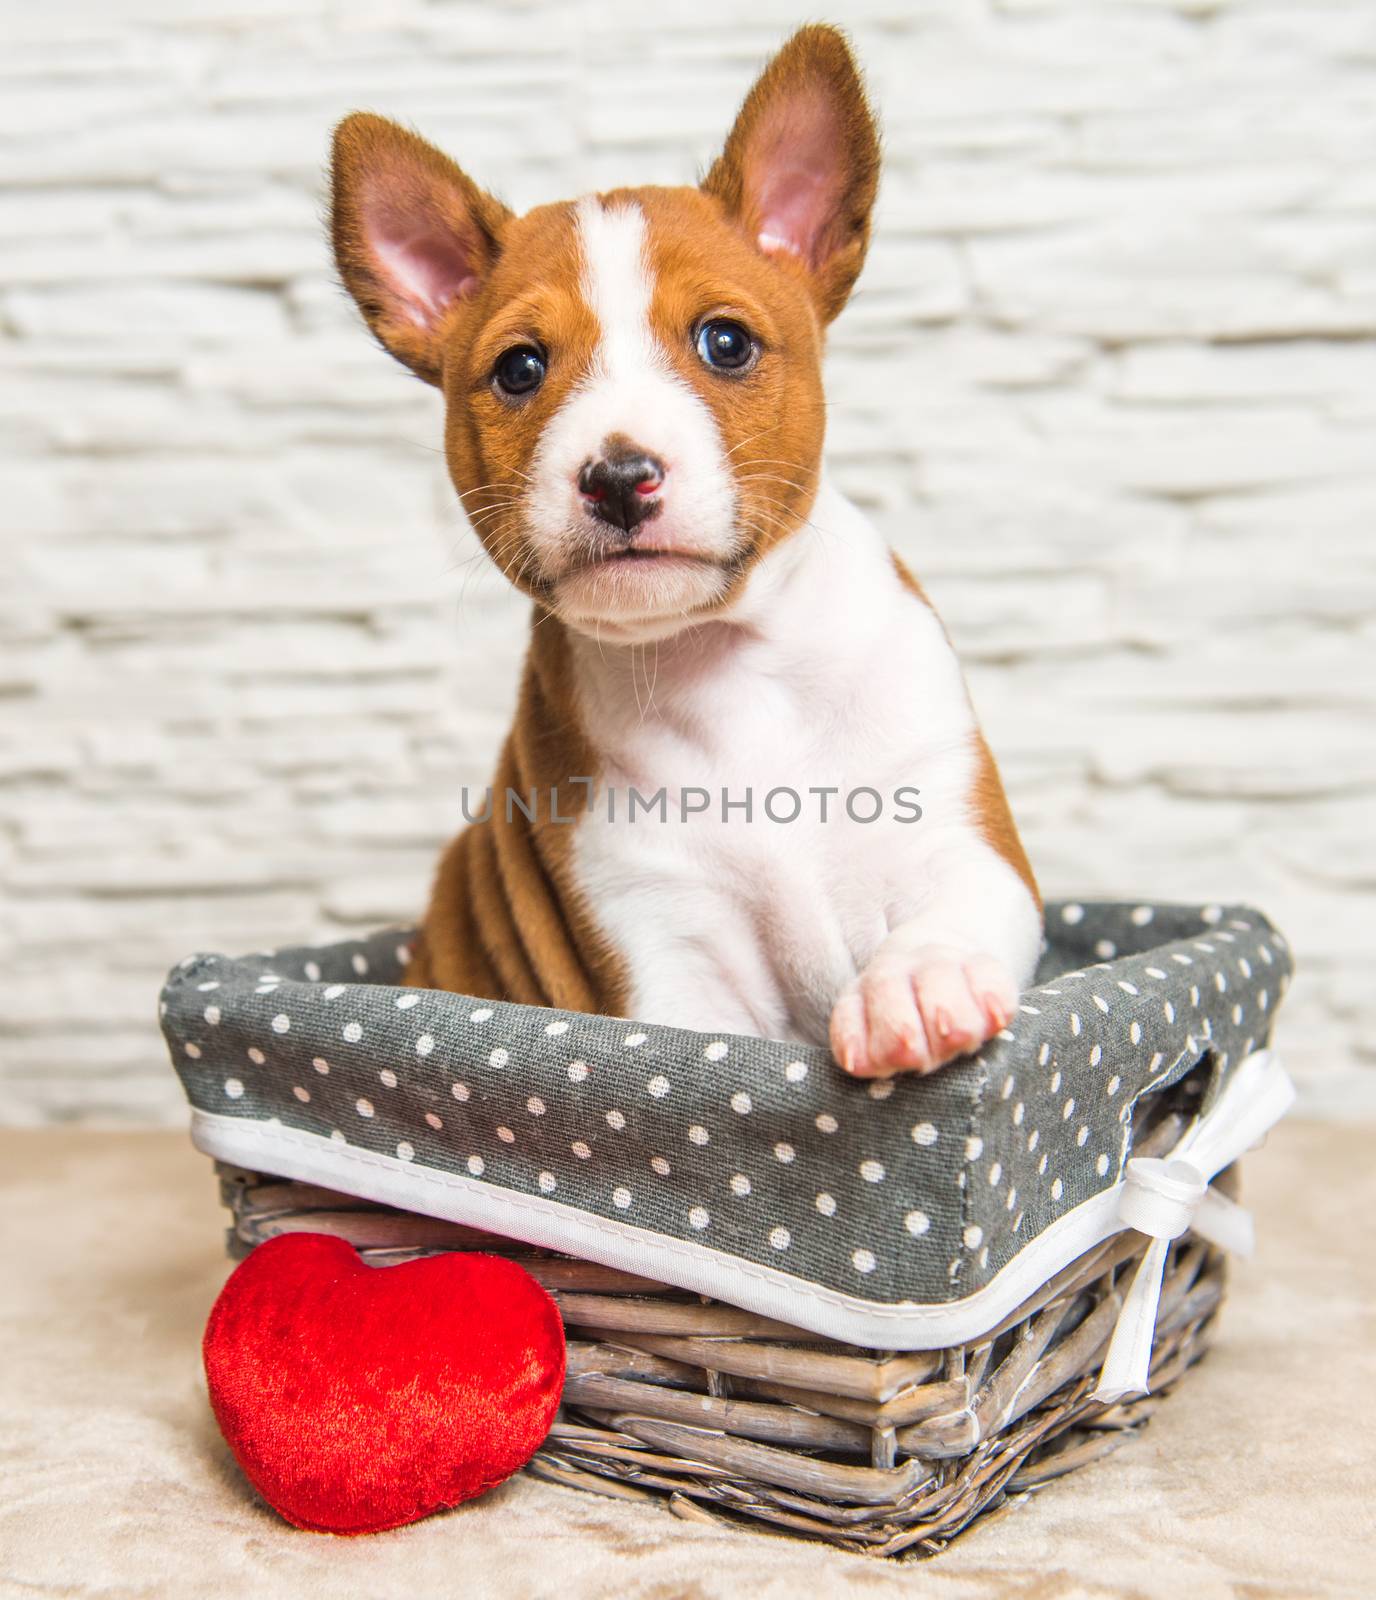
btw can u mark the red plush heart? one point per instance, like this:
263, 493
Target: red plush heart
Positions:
358, 1398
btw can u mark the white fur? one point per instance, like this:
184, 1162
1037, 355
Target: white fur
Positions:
630, 388
827, 671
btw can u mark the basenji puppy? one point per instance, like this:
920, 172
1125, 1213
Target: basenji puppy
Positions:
634, 424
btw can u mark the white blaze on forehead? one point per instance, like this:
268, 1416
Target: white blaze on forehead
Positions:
630, 388
617, 286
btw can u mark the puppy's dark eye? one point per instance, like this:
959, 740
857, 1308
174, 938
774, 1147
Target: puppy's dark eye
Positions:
725, 345
519, 370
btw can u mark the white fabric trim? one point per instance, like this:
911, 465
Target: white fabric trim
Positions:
1163, 1198
534, 1219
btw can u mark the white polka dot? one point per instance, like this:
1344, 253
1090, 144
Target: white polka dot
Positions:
995, 1173
1068, 1109
740, 1184
862, 1260
536, 1106
1055, 1082
547, 1182
1072, 914
1142, 915
212, 1015
334, 991
616, 1120
320, 1064
826, 1123
698, 1134
740, 1103
554, 1029
359, 962
974, 1147
405, 1152
917, 1223
1237, 1015
826, 1204
302, 1094
578, 1070
233, 1088
796, 1071
1101, 1165
783, 1151
476, 1166
498, 1057
433, 1120
698, 1217
924, 1134
880, 1088
621, 1198
581, 1150
1135, 1033
312, 972
1113, 1085
256, 1056
661, 1166
1032, 1140
780, 1238
388, 1077
716, 1050
872, 1171
353, 1032
505, 1134
1075, 1023
403, 955
281, 1023
484, 1014
1096, 1055
460, 1091
404, 1002
363, 1107
1212, 914
337, 1136
633, 1041
1169, 1011
1019, 1112
205, 988
658, 1086
1057, 1189
193, 1050
1082, 1137
1106, 949
425, 1044
973, 1235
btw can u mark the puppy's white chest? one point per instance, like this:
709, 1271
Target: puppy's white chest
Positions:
784, 758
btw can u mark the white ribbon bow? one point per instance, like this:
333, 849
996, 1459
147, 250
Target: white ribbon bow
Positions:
1166, 1197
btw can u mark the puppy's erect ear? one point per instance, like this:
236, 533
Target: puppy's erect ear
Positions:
413, 234
801, 165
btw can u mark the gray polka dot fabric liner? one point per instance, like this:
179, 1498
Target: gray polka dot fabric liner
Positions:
906, 1213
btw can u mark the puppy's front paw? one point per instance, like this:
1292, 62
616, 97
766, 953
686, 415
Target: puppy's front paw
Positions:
914, 1013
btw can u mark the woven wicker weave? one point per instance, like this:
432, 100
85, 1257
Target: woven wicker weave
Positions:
726, 1414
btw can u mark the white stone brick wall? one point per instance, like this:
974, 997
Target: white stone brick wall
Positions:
1108, 383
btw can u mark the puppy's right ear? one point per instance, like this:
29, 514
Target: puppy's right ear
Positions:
413, 234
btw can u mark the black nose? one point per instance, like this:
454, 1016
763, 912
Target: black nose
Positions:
621, 487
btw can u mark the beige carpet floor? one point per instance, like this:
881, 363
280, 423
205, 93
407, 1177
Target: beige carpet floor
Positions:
1256, 1480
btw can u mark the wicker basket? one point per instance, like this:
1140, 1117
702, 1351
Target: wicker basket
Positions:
726, 1415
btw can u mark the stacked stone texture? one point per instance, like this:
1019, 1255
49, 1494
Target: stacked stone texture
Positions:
1109, 385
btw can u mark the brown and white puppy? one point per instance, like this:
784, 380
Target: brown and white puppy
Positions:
634, 423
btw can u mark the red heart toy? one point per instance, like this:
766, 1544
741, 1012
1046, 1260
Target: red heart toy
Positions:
358, 1398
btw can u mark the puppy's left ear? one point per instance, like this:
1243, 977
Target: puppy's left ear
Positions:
801, 165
